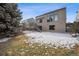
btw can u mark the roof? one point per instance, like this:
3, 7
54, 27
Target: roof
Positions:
51, 12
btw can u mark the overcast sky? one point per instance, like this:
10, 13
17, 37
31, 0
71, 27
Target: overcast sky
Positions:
34, 9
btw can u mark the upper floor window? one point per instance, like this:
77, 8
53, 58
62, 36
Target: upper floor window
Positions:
50, 19
39, 20
56, 17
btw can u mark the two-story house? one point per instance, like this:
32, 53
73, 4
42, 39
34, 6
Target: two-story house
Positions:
54, 21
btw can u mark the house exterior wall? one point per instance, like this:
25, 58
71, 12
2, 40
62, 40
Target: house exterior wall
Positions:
60, 23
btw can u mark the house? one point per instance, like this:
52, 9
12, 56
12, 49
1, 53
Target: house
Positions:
77, 17
54, 21
29, 24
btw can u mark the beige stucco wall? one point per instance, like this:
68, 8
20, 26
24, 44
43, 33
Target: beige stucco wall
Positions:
60, 24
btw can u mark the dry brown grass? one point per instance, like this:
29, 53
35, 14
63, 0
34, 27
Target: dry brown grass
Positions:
18, 47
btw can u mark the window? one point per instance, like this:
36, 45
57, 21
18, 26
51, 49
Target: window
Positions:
51, 27
40, 20
40, 27
56, 17
50, 19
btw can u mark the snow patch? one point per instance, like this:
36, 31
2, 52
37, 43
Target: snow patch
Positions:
58, 39
4, 40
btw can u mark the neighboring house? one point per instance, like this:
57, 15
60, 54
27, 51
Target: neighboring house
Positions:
29, 24
24, 25
77, 17
54, 21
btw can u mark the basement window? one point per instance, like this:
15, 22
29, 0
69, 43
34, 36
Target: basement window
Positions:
40, 27
51, 27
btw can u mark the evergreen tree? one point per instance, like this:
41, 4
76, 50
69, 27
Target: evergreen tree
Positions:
10, 17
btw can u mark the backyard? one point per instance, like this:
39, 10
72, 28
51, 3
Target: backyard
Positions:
32, 43
22, 32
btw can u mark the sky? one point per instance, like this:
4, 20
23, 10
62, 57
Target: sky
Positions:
31, 10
